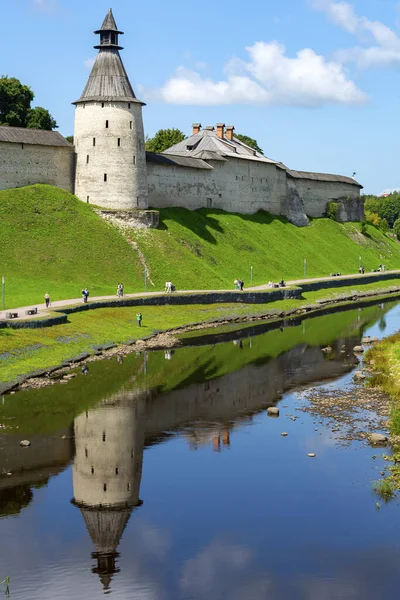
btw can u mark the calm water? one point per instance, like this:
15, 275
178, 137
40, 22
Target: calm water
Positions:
163, 478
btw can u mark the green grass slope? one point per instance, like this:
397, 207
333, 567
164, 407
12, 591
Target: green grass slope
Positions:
52, 242
210, 248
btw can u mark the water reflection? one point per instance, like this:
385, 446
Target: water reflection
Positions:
107, 472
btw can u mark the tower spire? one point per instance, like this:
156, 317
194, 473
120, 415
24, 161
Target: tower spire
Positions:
109, 33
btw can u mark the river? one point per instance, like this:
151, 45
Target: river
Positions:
162, 477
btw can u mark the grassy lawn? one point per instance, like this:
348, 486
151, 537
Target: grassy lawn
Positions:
50, 241
24, 350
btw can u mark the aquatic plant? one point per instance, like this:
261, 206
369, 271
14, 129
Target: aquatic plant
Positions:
6, 583
385, 489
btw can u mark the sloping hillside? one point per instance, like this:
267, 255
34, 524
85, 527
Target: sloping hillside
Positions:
50, 241
210, 248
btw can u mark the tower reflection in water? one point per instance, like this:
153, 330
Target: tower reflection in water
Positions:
106, 476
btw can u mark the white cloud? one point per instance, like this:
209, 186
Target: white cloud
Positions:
45, 5
89, 62
268, 77
385, 50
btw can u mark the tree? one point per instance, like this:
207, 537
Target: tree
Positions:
70, 139
384, 225
164, 138
15, 106
396, 228
249, 142
40, 118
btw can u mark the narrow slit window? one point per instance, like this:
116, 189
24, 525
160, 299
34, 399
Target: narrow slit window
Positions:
130, 124
94, 141
87, 159
22, 146
104, 487
134, 159
128, 487
87, 199
92, 470
102, 105
104, 436
116, 470
119, 142
105, 176
129, 104
107, 124
86, 452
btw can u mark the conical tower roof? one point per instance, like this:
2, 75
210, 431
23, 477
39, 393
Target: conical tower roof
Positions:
105, 527
109, 23
108, 80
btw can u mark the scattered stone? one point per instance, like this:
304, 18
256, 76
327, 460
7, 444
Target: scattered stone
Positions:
24, 443
64, 380
273, 411
358, 349
69, 376
311, 454
366, 340
359, 376
377, 438
9, 474
284, 433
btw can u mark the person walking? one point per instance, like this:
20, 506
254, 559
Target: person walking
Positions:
47, 299
85, 295
139, 319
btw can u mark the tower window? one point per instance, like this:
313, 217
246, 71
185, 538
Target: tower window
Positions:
105, 176
92, 470
94, 141
104, 436
129, 104
107, 124
134, 159
209, 203
131, 452
128, 487
119, 142
87, 199
104, 487
102, 105
87, 159
83, 105
86, 452
130, 125
22, 146
116, 470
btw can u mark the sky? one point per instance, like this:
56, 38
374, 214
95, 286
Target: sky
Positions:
315, 82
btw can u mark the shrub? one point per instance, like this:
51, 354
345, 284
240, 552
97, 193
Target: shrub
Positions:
364, 227
332, 210
384, 225
396, 228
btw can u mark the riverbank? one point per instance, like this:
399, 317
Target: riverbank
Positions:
383, 363
34, 357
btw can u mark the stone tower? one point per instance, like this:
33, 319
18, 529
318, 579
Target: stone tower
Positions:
108, 133
109, 442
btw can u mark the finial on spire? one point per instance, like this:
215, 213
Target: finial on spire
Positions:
109, 33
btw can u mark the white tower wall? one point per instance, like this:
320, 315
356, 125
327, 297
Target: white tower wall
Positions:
111, 158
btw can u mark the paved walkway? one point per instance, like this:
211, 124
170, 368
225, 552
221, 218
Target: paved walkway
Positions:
43, 311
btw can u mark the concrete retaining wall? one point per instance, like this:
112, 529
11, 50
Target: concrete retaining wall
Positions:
346, 281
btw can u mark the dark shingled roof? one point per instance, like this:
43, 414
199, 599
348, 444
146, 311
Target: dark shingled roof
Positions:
39, 137
175, 160
108, 80
323, 177
109, 23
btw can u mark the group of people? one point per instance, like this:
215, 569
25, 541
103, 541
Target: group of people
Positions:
238, 284
282, 283
169, 287
85, 295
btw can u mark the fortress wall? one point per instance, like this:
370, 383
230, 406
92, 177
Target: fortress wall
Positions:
316, 194
26, 164
235, 186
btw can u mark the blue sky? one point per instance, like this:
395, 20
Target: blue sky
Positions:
316, 82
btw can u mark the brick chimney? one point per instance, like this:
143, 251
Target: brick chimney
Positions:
220, 130
229, 132
196, 128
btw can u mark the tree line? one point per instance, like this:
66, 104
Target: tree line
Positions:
384, 212
16, 107
165, 138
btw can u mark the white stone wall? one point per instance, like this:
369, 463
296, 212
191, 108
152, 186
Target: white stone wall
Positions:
316, 194
110, 173
235, 185
26, 164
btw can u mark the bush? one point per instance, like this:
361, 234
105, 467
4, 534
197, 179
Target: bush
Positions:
384, 225
332, 210
364, 227
396, 228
